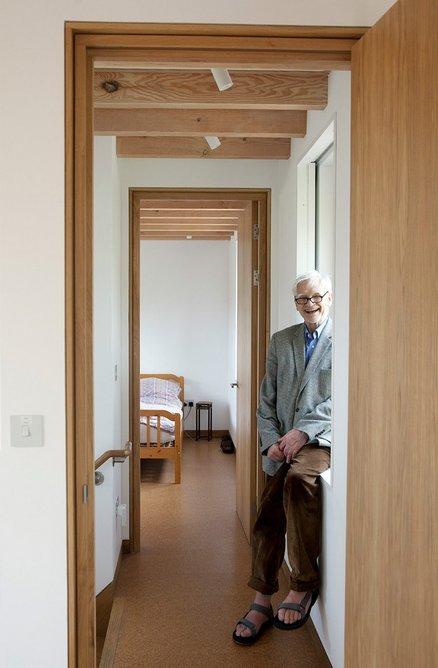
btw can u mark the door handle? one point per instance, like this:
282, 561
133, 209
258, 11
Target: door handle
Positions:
235, 384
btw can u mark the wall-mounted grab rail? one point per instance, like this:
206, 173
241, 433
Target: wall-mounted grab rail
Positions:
117, 456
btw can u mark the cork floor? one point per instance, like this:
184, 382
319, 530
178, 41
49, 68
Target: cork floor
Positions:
187, 587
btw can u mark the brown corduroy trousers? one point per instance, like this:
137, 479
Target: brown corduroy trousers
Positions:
291, 506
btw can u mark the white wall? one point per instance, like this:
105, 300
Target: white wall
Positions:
184, 322
33, 571
107, 354
328, 614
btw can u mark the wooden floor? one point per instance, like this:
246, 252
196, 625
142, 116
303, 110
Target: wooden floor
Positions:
187, 587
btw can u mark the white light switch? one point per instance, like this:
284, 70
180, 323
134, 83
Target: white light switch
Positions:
27, 431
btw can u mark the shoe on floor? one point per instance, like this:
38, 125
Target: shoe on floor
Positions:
255, 635
298, 607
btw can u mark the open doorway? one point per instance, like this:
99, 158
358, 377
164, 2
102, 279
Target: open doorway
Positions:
85, 43
252, 231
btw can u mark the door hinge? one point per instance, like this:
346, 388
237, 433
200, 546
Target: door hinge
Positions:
255, 278
84, 493
256, 231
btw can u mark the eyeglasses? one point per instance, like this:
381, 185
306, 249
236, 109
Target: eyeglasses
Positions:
315, 299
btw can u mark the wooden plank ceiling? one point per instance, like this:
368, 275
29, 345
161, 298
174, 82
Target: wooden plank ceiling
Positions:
209, 219
165, 112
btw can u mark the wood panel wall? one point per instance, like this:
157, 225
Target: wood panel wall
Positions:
392, 556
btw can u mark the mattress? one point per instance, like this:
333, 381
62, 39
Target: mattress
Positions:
165, 436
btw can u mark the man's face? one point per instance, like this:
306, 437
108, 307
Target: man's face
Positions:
313, 314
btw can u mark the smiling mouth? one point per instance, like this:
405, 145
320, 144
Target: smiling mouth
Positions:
315, 310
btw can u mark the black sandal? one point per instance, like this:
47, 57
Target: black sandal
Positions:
255, 635
298, 607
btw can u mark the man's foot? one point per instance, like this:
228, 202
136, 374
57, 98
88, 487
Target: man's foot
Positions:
295, 609
258, 618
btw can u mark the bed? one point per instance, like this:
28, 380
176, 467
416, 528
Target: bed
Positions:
161, 418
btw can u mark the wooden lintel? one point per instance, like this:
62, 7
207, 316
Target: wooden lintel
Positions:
247, 32
184, 89
285, 48
196, 147
196, 60
200, 122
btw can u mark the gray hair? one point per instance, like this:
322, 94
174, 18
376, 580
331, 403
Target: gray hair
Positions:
315, 278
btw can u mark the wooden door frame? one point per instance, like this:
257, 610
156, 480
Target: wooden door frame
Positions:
234, 45
260, 199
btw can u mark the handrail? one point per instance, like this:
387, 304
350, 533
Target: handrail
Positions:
116, 455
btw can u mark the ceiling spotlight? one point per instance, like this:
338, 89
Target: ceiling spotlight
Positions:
213, 142
222, 78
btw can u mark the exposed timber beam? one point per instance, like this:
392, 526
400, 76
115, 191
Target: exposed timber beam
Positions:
184, 237
198, 205
197, 90
195, 147
174, 215
200, 122
213, 227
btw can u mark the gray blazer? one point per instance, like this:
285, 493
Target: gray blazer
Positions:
293, 395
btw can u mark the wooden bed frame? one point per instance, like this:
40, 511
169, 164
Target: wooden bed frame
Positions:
152, 450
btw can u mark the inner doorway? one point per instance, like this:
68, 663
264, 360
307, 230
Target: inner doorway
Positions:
252, 229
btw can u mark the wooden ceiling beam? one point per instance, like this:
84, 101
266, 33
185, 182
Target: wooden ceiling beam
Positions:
189, 228
182, 237
200, 122
207, 231
200, 216
197, 205
197, 90
195, 147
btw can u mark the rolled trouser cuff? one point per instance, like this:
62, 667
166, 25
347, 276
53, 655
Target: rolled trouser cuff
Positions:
299, 585
262, 587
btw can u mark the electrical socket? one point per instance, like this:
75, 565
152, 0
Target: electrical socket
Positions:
189, 403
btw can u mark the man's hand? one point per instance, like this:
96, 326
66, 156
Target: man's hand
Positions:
291, 443
275, 453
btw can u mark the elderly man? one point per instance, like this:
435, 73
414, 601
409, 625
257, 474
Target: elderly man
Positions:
294, 422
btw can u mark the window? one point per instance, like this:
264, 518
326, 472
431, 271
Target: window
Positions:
316, 211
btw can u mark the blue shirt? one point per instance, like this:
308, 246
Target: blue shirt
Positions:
312, 339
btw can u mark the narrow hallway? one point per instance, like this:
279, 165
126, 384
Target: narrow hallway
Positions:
187, 587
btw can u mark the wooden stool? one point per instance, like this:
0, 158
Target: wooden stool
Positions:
208, 406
